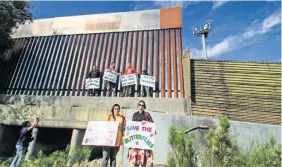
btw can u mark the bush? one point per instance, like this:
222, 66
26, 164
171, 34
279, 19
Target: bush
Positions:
182, 149
56, 159
220, 150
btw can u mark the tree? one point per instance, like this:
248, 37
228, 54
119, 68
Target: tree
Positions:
12, 14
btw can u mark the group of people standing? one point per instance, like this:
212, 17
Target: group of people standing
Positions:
128, 91
135, 156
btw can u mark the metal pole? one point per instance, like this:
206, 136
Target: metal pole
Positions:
204, 47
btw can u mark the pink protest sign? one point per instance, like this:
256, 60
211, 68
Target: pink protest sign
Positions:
101, 133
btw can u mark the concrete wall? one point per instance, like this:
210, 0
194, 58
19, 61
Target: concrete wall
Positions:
243, 132
153, 104
75, 112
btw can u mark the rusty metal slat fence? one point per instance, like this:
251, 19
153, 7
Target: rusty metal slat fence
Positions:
58, 65
244, 91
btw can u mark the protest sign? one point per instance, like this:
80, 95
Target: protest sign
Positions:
130, 79
146, 80
101, 133
139, 136
92, 83
110, 76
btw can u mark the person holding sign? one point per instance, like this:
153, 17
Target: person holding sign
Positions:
129, 90
112, 85
111, 152
94, 73
136, 156
145, 90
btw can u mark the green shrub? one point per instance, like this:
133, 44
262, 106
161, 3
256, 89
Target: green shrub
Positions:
56, 159
220, 150
182, 149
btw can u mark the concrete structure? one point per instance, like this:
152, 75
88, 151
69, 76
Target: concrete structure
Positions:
53, 56
100, 23
77, 118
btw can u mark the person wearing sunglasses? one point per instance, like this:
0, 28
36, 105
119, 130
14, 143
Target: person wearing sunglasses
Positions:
111, 152
141, 157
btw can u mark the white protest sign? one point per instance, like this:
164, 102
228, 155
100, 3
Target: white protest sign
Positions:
146, 80
130, 79
92, 83
110, 76
101, 133
139, 136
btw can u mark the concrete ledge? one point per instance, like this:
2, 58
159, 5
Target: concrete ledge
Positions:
176, 105
52, 117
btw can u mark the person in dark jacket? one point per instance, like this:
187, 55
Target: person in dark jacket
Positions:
23, 141
146, 91
94, 73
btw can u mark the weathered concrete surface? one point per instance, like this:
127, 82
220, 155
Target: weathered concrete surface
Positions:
52, 117
153, 104
243, 132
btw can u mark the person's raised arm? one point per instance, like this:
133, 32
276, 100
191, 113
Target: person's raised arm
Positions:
33, 125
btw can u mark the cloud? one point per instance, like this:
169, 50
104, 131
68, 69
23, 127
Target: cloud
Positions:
233, 42
218, 4
140, 6
172, 3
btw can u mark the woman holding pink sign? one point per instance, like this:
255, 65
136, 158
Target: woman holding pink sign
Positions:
139, 156
111, 152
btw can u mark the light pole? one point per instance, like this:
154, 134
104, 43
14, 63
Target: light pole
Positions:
203, 32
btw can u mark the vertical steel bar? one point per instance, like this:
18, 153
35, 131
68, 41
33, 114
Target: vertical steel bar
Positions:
124, 48
157, 60
115, 52
136, 34
180, 63
163, 64
145, 59
140, 56
168, 64
151, 70
174, 64
130, 47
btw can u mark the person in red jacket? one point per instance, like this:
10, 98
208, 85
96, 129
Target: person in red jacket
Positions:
129, 90
112, 86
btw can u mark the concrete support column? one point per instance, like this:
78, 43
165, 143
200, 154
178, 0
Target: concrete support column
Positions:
76, 138
76, 141
32, 145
